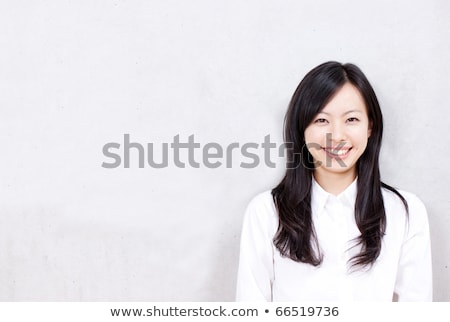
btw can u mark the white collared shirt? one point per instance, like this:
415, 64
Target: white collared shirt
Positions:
401, 272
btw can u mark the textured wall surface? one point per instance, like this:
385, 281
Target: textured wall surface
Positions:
76, 75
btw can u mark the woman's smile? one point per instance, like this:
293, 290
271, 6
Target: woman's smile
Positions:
338, 153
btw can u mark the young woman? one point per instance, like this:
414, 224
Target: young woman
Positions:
331, 230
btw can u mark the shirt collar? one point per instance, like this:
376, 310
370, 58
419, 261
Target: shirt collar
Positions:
319, 196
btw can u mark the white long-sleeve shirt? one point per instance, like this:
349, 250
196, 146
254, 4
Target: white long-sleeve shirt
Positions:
401, 272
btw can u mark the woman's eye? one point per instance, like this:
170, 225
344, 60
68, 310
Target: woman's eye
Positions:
352, 119
320, 121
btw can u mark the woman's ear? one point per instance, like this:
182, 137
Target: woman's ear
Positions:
369, 130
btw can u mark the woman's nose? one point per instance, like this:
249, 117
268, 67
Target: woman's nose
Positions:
337, 134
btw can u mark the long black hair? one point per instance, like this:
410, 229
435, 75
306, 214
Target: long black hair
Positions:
296, 237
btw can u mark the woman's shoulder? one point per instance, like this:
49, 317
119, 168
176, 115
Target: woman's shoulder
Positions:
417, 213
262, 201
261, 207
411, 199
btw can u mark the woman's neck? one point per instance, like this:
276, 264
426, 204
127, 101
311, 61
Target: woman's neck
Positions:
334, 183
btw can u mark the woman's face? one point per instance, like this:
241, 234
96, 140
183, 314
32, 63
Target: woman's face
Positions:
338, 135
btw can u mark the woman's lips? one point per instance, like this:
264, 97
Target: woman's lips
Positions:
340, 153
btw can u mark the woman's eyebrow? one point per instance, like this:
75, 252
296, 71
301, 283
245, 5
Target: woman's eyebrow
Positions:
352, 111
348, 112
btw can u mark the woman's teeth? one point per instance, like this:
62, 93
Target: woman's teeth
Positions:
337, 152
